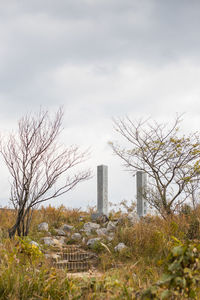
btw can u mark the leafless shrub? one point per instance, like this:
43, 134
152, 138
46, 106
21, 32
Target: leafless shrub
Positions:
39, 166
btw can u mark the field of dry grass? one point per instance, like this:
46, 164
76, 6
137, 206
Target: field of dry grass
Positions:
25, 274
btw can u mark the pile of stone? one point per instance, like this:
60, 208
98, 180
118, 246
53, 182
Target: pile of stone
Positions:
88, 235
85, 239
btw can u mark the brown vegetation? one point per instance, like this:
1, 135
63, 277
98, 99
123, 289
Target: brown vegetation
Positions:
26, 275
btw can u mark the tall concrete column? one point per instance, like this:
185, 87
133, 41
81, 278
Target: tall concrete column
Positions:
141, 182
102, 190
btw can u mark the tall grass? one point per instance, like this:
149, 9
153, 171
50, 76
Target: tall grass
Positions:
24, 273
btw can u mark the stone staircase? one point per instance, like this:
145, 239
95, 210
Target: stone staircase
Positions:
74, 258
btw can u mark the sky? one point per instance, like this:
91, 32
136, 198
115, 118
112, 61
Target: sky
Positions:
99, 59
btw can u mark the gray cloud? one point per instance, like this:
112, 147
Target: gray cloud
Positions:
100, 59
39, 36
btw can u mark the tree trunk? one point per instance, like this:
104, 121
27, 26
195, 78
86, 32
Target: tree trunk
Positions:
27, 221
16, 227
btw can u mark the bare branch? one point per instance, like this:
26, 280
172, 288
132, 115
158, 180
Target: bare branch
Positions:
40, 168
170, 159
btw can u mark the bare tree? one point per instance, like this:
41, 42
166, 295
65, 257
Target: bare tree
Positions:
41, 169
171, 160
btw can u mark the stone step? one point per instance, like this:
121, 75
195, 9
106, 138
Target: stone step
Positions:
72, 266
73, 258
77, 256
75, 266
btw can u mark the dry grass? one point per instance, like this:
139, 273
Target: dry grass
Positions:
26, 275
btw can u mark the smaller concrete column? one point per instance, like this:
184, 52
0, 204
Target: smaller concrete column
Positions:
141, 182
102, 190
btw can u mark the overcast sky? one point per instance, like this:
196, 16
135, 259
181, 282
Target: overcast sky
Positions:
98, 59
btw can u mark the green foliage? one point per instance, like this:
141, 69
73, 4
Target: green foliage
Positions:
29, 250
181, 279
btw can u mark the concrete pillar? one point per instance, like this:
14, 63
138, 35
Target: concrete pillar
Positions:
141, 182
102, 190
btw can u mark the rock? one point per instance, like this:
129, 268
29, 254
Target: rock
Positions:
43, 226
34, 243
103, 219
52, 242
99, 217
120, 247
60, 232
61, 239
133, 218
67, 228
58, 242
90, 227
76, 236
102, 232
95, 216
92, 242
48, 241
111, 226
